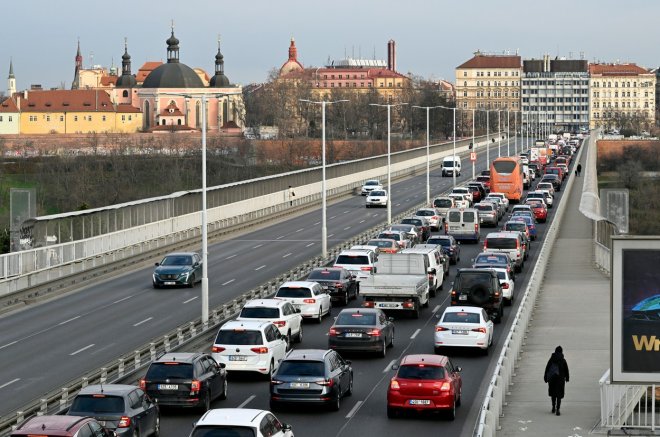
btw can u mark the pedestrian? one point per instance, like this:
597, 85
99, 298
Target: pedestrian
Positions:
579, 169
556, 376
292, 195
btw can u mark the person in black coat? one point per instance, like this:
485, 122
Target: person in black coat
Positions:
556, 375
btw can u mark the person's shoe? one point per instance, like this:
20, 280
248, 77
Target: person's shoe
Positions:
553, 409
558, 413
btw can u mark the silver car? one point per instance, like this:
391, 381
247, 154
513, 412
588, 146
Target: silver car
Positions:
431, 215
488, 213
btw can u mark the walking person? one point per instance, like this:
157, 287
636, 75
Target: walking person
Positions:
292, 195
556, 376
579, 169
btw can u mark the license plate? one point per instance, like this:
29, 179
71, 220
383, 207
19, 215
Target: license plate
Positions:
170, 283
459, 331
420, 402
463, 297
388, 305
353, 334
168, 386
237, 358
300, 385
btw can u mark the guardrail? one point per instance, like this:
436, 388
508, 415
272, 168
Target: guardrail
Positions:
628, 406
491, 407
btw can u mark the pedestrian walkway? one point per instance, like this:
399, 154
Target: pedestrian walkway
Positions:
572, 311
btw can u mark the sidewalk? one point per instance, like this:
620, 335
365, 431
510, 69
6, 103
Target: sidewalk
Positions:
572, 311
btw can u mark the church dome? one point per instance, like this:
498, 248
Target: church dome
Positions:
292, 63
173, 74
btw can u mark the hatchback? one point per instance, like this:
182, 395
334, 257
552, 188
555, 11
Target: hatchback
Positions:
488, 213
489, 260
449, 245
539, 209
362, 329
281, 313
385, 245
401, 238
240, 422
485, 180
178, 269
337, 281
464, 327
307, 296
358, 262
443, 204
64, 426
311, 376
529, 221
507, 242
422, 224
431, 215
425, 383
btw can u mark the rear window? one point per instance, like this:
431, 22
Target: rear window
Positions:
377, 243
421, 371
260, 313
293, 292
395, 237
465, 281
325, 274
501, 243
348, 260
302, 368
239, 337
454, 216
442, 203
490, 259
91, 405
425, 213
483, 178
356, 319
416, 222
222, 431
159, 371
504, 167
482, 207
468, 216
501, 275
441, 241
461, 317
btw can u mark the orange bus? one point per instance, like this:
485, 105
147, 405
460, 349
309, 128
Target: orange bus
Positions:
506, 176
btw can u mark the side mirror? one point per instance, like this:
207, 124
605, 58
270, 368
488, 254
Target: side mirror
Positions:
395, 367
459, 369
286, 427
222, 365
349, 362
391, 319
297, 310
431, 271
157, 264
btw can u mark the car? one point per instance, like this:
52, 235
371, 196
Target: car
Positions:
460, 200
476, 192
413, 232
449, 245
366, 247
501, 207
546, 186
249, 346
510, 243
519, 226
422, 224
124, 409
539, 209
385, 245
371, 185
178, 269
522, 207
489, 260
440, 259
542, 195
240, 422
61, 426
402, 239
483, 191
425, 382
307, 296
535, 168
442, 204
485, 173
279, 312
480, 288
185, 379
431, 215
463, 224
337, 281
359, 262
485, 180
488, 213
554, 179
464, 326
376, 198
529, 221
508, 284
311, 376
502, 197
465, 191
362, 330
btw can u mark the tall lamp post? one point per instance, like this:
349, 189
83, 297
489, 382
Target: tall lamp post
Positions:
324, 198
428, 153
508, 134
389, 152
474, 146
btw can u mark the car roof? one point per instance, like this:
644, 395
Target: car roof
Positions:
51, 425
389, 240
183, 357
426, 248
107, 389
336, 269
308, 284
245, 324
465, 309
436, 360
231, 416
306, 354
468, 270
264, 303
503, 234
180, 253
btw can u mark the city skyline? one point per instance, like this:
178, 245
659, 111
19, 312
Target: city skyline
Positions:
428, 44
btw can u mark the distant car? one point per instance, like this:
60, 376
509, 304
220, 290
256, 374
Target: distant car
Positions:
64, 426
502, 197
370, 186
360, 263
385, 245
464, 191
449, 245
425, 383
307, 296
443, 204
460, 200
539, 209
546, 186
554, 179
519, 226
125, 409
508, 284
542, 195
240, 422
178, 269
464, 326
337, 281
488, 213
413, 232
431, 215
529, 221
485, 180
376, 198
362, 330
422, 224
279, 312
483, 192
311, 376
490, 260
402, 239
185, 380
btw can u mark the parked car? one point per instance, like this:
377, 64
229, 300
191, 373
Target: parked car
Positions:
306, 296
362, 330
371, 185
464, 326
182, 379
64, 426
337, 281
449, 245
279, 312
178, 269
240, 422
376, 198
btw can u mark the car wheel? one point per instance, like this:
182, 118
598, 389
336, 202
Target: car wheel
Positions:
432, 292
336, 403
156, 432
391, 413
415, 311
289, 341
451, 414
206, 403
346, 298
460, 393
191, 282
136, 433
383, 349
274, 406
392, 339
155, 285
349, 392
225, 388
319, 319
271, 370
299, 337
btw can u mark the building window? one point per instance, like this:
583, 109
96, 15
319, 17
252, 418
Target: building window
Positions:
125, 93
9, 118
89, 118
0, 118
464, 93
340, 76
103, 118
465, 74
48, 118
130, 117
123, 118
75, 118
464, 83
61, 118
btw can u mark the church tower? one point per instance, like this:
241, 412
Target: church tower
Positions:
76, 76
11, 80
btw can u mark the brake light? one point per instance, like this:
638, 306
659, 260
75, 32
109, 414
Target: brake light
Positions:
446, 228
440, 328
394, 384
326, 382
431, 276
260, 350
309, 300
485, 244
408, 304
453, 293
124, 422
368, 304
217, 349
476, 227
374, 332
446, 386
505, 286
333, 332
366, 269
517, 244
280, 323
482, 330
497, 294
339, 285
143, 384
195, 385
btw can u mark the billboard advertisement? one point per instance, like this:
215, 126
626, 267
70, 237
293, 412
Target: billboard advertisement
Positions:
534, 154
635, 317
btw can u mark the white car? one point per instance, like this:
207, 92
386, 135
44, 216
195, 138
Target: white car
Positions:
464, 327
251, 346
309, 297
371, 185
431, 215
541, 195
240, 422
376, 198
465, 191
279, 312
547, 186
460, 200
401, 238
508, 285
502, 197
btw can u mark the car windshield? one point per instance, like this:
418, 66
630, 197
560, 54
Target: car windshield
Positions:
223, 431
321, 275
371, 183
301, 368
169, 370
490, 259
425, 213
350, 260
420, 371
442, 203
177, 260
461, 317
238, 336
376, 193
260, 313
501, 243
501, 275
395, 237
356, 319
441, 241
90, 405
378, 243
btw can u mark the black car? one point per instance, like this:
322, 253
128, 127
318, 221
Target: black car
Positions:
313, 376
536, 168
449, 246
421, 224
362, 330
178, 269
124, 409
554, 179
185, 380
339, 282
477, 191
480, 288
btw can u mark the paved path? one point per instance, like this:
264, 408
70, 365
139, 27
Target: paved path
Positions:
572, 311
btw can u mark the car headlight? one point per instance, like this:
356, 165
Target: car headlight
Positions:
184, 274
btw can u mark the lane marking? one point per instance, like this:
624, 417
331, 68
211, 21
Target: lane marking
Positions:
260, 267
123, 299
230, 256
389, 366
435, 310
279, 238
346, 212
317, 223
334, 216
144, 321
288, 254
331, 235
412, 337
300, 230
67, 321
310, 244
9, 344
398, 204
10, 382
354, 410
257, 246
362, 221
247, 401
82, 349
228, 282
190, 300
347, 228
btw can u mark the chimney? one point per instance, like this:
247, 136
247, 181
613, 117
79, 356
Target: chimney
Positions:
25, 94
391, 55
18, 102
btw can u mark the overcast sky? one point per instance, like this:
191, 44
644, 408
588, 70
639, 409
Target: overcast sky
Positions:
432, 36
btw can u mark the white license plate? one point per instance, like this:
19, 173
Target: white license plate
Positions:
462, 297
353, 334
300, 385
388, 305
459, 332
170, 283
168, 386
420, 402
237, 358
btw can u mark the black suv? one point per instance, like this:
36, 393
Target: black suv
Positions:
185, 380
338, 281
481, 288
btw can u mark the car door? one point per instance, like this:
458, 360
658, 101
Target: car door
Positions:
145, 410
198, 270
454, 376
490, 327
292, 318
386, 326
324, 297
342, 369
275, 343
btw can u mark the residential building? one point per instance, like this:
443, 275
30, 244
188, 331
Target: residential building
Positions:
10, 117
622, 95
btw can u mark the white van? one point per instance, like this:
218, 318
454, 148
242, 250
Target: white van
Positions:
436, 267
463, 224
451, 165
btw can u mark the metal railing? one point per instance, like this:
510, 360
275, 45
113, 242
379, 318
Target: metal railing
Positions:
628, 406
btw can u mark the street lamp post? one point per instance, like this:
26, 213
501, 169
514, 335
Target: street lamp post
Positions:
474, 146
487, 140
428, 153
453, 173
515, 131
508, 134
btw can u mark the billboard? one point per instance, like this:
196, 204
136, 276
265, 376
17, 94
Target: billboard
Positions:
635, 317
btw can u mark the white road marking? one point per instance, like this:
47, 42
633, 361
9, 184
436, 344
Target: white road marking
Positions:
9, 344
331, 235
288, 254
279, 238
346, 212
123, 299
362, 221
334, 216
260, 267
310, 245
398, 204
80, 350
230, 256
247, 401
257, 246
10, 382
354, 410
144, 321
228, 282
435, 310
347, 228
67, 321
317, 223
389, 366
190, 300
300, 230
412, 337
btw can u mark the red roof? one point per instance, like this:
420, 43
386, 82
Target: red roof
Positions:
175, 111
492, 61
8, 105
617, 69
65, 101
108, 80
126, 108
146, 68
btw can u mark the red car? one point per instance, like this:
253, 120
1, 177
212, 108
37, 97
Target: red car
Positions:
485, 180
539, 209
425, 383
555, 170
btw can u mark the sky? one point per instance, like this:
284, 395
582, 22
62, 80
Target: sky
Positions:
432, 37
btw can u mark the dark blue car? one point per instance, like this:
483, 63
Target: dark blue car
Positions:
449, 246
178, 269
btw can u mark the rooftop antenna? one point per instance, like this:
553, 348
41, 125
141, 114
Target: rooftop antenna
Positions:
374, 53
91, 59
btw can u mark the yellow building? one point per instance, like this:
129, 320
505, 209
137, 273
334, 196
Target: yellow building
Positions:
622, 95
